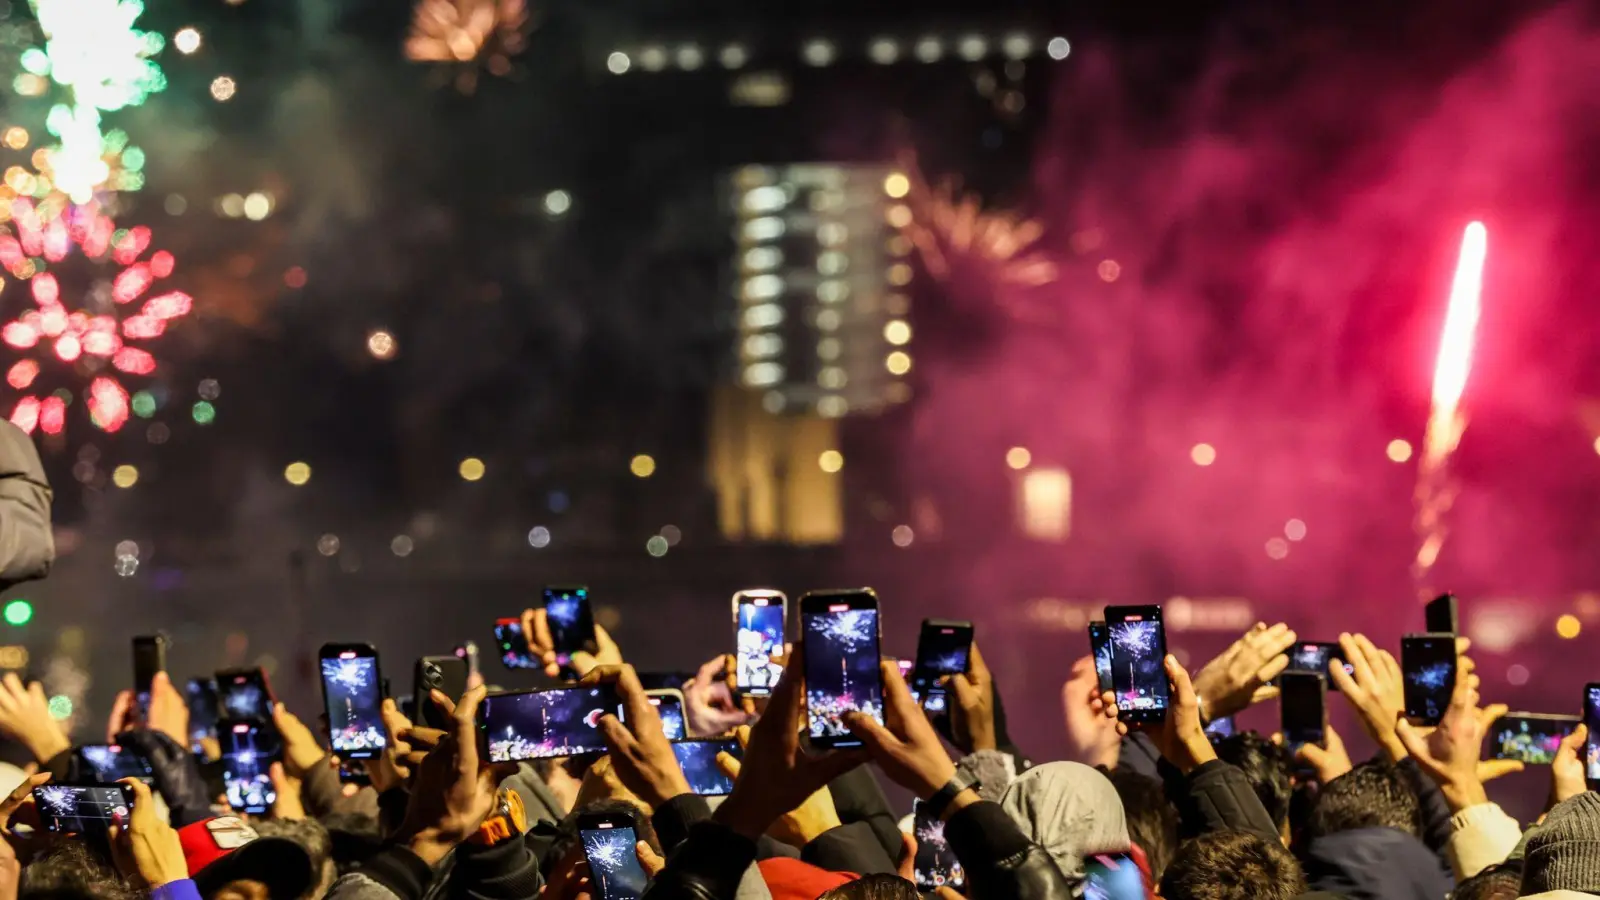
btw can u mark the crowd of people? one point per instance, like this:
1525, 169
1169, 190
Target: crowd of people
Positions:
1237, 818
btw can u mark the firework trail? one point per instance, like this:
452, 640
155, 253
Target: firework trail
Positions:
1435, 491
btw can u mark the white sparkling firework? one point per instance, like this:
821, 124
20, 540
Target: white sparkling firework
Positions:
607, 849
849, 629
931, 832
60, 800
352, 673
1135, 638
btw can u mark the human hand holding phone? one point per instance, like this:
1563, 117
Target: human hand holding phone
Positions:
536, 628
454, 790
1450, 754
1567, 772
1180, 737
1242, 675
816, 815
300, 748
145, 848
972, 715
1374, 688
639, 749
1091, 735
905, 747
709, 707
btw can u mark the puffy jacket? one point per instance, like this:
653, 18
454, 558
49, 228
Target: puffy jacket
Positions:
176, 774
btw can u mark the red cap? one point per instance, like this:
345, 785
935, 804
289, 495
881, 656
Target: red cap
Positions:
214, 850
792, 879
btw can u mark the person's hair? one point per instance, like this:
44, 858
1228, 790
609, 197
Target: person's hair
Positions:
1371, 795
313, 838
874, 887
1152, 819
1498, 882
567, 830
1233, 865
353, 837
1266, 765
71, 871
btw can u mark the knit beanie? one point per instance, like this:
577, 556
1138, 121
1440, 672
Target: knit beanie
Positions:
1563, 852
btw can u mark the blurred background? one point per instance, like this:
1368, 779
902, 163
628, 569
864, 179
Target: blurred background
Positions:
1008, 309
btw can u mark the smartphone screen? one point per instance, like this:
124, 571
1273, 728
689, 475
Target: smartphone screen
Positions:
81, 809
1591, 748
248, 751
841, 641
936, 865
698, 760
1301, 705
149, 658
1530, 738
758, 636
570, 619
1429, 664
1314, 657
1220, 729
514, 653
201, 694
608, 845
1100, 646
542, 724
243, 694
1440, 615
669, 706
352, 693
110, 763
1112, 876
1138, 668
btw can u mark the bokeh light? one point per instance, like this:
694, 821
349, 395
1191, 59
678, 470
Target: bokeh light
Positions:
402, 545
830, 461
1058, 48
672, 533
328, 544
1203, 454
656, 546
618, 62
1399, 450
1109, 270
1277, 548
16, 137
1517, 674
897, 332
557, 203
297, 473
1294, 530
897, 185
382, 345
60, 707
295, 277
204, 413
642, 466
898, 362
902, 536
257, 206
1019, 458
1568, 626
471, 469
125, 476
186, 40
18, 612
539, 537
223, 88
469, 36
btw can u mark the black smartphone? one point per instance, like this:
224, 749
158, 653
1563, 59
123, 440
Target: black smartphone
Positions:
1138, 662
936, 865
608, 845
1591, 746
82, 808
514, 653
521, 725
446, 674
352, 694
109, 763
1441, 615
149, 658
655, 681
1314, 656
1100, 647
758, 617
669, 706
249, 749
1301, 703
201, 694
1112, 876
467, 652
1428, 662
697, 758
944, 647
244, 694
1531, 738
570, 620
840, 630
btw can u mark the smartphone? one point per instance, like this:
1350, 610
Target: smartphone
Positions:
1591, 747
109, 763
936, 865
1220, 729
248, 751
467, 651
1301, 704
352, 694
1112, 876
514, 653
1100, 647
758, 617
81, 808
1532, 738
654, 681
201, 694
571, 621
149, 658
1314, 656
521, 725
840, 629
697, 757
1428, 662
1138, 662
1440, 614
669, 705
608, 846
944, 647
244, 694
446, 674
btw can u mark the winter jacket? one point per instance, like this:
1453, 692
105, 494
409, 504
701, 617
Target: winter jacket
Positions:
1376, 864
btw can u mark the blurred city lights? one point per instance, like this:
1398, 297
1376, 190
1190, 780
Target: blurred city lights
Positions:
381, 344
1294, 530
186, 40
468, 35
125, 476
902, 535
297, 473
897, 332
1203, 454
402, 545
618, 62
539, 537
1017, 46
897, 185
883, 51
556, 203
1019, 458
126, 548
653, 59
176, 204
673, 534
898, 362
223, 88
328, 544
1058, 48
471, 469
656, 546
231, 205
257, 206
295, 277
690, 57
16, 137
1516, 674
1568, 626
733, 56
929, 50
203, 413
1400, 450
830, 461
898, 215
972, 48
642, 466
818, 52
209, 389
18, 612
1277, 548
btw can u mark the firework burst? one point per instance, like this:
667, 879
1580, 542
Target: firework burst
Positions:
848, 629
469, 35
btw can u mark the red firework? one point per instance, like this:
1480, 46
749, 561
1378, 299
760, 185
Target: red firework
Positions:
90, 333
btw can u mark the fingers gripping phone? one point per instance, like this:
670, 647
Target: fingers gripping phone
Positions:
944, 647
1428, 662
609, 840
520, 725
111, 763
570, 620
82, 808
1100, 648
352, 693
936, 864
698, 760
1138, 663
840, 629
244, 694
445, 674
1591, 746
248, 751
1530, 738
1302, 705
149, 659
758, 619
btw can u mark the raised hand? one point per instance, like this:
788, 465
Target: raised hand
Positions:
1375, 690
25, 718
905, 747
1181, 737
1450, 754
300, 748
536, 630
454, 791
801, 825
145, 847
1092, 737
972, 715
1567, 776
1330, 759
709, 708
640, 752
1240, 676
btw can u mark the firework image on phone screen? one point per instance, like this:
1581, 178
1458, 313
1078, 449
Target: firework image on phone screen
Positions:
542, 724
841, 653
514, 652
758, 636
248, 751
570, 620
669, 706
1428, 665
613, 860
111, 763
352, 690
1112, 876
243, 694
1591, 748
1314, 657
1100, 647
81, 809
936, 865
698, 760
1138, 662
